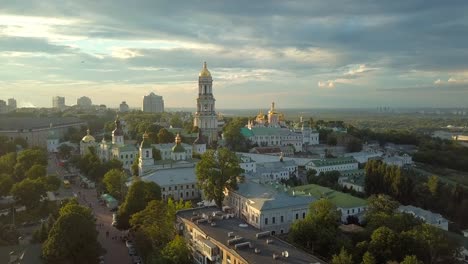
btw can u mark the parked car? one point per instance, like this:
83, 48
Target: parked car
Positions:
129, 243
137, 260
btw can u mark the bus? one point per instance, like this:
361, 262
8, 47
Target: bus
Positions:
66, 184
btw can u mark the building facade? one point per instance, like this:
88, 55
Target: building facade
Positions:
205, 117
123, 107
58, 102
215, 236
336, 164
84, 102
429, 217
153, 103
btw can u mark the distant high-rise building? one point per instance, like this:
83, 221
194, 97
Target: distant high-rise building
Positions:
123, 107
84, 102
153, 103
58, 102
3, 107
11, 104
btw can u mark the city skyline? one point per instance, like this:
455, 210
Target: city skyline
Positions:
330, 54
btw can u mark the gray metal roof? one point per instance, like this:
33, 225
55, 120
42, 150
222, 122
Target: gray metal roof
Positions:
218, 234
270, 196
428, 216
169, 177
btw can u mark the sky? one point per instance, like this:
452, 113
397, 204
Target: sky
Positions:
300, 54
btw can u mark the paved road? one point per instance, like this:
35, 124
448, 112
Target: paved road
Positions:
117, 252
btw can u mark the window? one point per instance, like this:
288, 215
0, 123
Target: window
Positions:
303, 215
266, 220
186, 194
169, 188
181, 195
297, 216
175, 188
164, 189
273, 220
282, 220
193, 193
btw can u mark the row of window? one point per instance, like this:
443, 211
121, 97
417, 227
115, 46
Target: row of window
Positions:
181, 187
273, 219
181, 195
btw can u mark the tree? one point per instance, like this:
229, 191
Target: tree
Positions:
216, 171
343, 258
354, 145
28, 192
7, 162
51, 183
8, 235
381, 203
114, 181
6, 182
156, 154
138, 196
36, 171
383, 244
29, 157
367, 258
68, 244
235, 141
177, 252
332, 140
433, 185
135, 167
165, 136
411, 260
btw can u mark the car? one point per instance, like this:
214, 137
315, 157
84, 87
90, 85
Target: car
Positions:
136, 259
131, 251
129, 243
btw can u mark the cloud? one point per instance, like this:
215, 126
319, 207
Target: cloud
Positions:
326, 84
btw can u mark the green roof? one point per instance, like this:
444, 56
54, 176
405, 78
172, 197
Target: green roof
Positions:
342, 200
126, 148
331, 162
246, 132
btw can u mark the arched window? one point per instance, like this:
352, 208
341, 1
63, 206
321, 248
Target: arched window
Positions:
147, 154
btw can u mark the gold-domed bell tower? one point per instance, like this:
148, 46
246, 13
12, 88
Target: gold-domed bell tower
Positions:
205, 116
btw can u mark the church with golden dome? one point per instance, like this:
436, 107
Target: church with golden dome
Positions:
205, 117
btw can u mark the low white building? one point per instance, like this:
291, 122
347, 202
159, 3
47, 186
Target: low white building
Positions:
336, 164
353, 179
53, 141
247, 164
177, 183
276, 171
364, 156
267, 206
397, 160
429, 217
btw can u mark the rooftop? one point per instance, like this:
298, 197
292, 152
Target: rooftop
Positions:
427, 216
219, 235
17, 123
332, 162
168, 177
270, 196
341, 200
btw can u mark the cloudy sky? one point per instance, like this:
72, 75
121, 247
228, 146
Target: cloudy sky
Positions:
297, 53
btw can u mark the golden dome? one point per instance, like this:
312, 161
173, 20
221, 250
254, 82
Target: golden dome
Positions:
205, 72
88, 138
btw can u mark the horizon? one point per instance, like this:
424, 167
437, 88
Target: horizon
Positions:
298, 54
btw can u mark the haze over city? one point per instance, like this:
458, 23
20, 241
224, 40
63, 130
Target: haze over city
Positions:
299, 54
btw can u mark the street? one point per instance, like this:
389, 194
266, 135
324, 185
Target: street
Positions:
116, 251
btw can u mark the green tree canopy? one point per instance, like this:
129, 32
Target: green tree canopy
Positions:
368, 258
51, 183
343, 258
7, 163
138, 196
235, 141
73, 237
177, 252
36, 171
114, 180
164, 136
6, 182
411, 260
216, 171
29, 192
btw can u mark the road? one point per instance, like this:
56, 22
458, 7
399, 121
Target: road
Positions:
117, 252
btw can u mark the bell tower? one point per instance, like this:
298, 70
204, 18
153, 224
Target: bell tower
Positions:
205, 116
